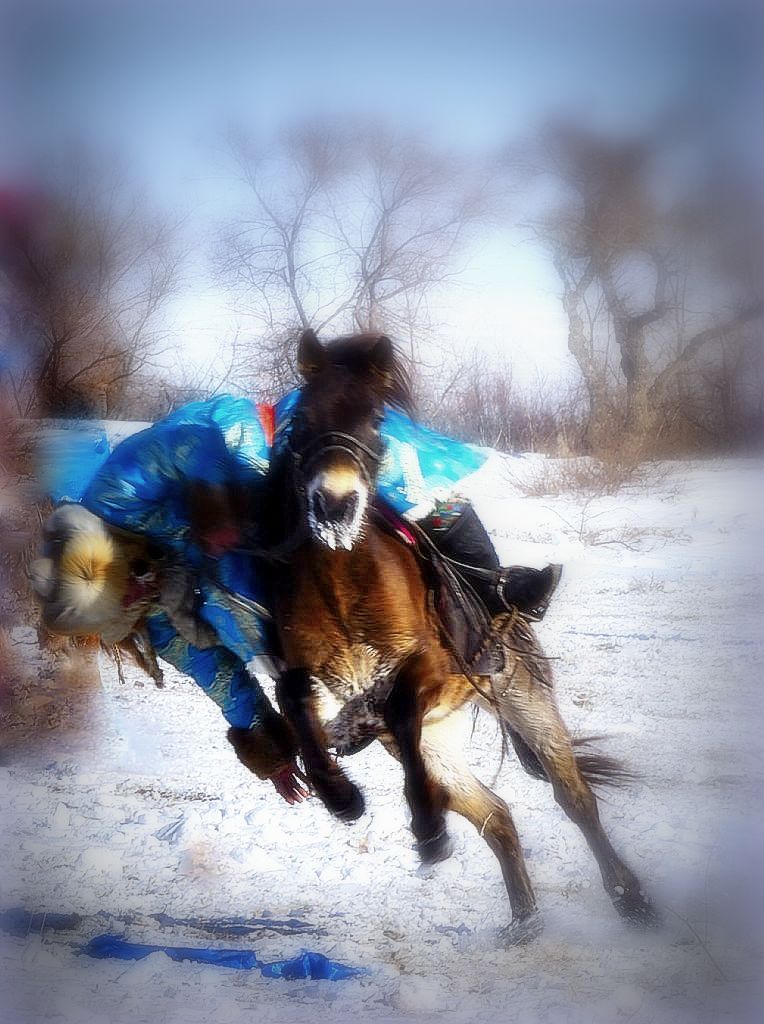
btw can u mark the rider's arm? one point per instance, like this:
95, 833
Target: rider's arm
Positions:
259, 734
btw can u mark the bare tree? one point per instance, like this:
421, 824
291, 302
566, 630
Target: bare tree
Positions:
343, 232
647, 283
477, 399
87, 274
157, 395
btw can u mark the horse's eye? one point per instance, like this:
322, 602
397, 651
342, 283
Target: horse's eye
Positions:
377, 422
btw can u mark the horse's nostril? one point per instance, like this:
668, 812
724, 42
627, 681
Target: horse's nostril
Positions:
347, 505
328, 508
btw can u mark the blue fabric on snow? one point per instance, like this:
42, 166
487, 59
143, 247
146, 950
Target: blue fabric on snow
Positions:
314, 966
20, 923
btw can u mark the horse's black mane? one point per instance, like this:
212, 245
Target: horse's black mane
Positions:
352, 351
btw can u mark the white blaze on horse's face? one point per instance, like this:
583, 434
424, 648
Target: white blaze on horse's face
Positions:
337, 498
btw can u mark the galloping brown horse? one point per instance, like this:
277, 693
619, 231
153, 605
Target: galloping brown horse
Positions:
352, 613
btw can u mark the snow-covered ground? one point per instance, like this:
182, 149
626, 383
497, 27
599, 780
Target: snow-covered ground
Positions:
657, 630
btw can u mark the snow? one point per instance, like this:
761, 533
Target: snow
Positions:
657, 630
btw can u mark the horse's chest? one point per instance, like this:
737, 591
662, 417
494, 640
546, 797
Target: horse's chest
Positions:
352, 671
355, 669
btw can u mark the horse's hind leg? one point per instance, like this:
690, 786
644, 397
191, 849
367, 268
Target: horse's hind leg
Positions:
294, 692
442, 748
529, 708
403, 712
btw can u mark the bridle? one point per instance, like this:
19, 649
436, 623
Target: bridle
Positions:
334, 441
301, 458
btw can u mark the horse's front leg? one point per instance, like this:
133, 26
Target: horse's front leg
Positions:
297, 699
417, 680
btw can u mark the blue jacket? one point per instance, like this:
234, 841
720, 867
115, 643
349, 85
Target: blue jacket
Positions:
140, 487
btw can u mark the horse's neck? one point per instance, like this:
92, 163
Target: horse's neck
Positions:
351, 568
345, 579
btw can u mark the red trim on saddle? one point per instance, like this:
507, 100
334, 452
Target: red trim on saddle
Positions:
267, 414
399, 526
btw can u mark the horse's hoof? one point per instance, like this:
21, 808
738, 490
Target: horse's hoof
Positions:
435, 849
523, 930
638, 910
345, 801
354, 808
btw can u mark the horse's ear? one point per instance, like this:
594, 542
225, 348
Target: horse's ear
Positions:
382, 359
311, 356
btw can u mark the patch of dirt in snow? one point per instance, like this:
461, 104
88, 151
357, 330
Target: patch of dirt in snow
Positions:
658, 647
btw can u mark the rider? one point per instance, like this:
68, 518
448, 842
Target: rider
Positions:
166, 562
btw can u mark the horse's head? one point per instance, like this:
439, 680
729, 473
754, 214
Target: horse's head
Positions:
335, 435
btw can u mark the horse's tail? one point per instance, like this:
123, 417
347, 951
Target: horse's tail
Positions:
598, 769
601, 769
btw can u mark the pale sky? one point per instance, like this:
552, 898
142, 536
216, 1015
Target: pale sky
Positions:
154, 85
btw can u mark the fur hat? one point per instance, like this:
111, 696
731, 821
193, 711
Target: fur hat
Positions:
91, 579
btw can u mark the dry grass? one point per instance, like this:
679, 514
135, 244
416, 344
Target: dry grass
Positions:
581, 475
585, 525
593, 476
